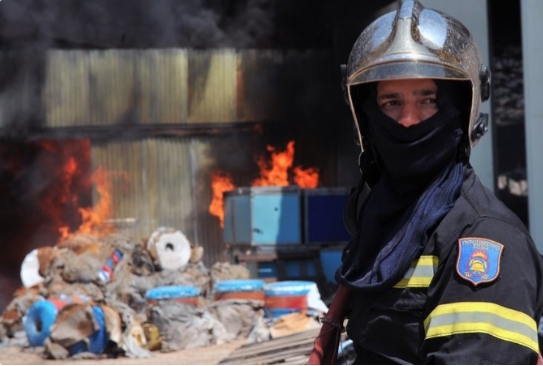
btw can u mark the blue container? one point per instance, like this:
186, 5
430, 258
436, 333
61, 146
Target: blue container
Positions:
38, 320
323, 215
239, 285
293, 269
285, 297
172, 292
262, 216
330, 261
243, 289
98, 340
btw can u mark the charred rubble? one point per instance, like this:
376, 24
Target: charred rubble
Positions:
79, 276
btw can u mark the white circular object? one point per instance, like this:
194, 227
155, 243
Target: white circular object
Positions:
171, 250
30, 269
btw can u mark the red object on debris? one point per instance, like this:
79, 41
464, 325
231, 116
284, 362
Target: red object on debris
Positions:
106, 273
241, 289
253, 295
286, 297
298, 302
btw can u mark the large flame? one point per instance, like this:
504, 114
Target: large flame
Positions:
93, 220
220, 183
277, 172
306, 178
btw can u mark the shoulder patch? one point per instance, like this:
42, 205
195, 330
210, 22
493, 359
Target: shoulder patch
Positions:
478, 260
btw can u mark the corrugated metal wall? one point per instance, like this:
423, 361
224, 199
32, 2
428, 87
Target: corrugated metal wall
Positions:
256, 94
98, 88
162, 181
212, 86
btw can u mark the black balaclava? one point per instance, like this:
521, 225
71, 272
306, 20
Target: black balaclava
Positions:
420, 178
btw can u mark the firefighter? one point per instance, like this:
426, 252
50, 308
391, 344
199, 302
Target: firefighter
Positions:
438, 270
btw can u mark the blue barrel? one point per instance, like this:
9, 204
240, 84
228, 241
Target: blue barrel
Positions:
285, 297
97, 341
183, 294
242, 289
38, 320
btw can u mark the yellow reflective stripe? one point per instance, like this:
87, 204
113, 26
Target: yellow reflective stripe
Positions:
420, 273
482, 317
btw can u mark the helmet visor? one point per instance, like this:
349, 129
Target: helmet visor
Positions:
406, 70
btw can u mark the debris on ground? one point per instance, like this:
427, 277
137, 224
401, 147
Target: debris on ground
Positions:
111, 296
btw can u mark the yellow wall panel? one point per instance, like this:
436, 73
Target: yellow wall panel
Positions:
112, 87
212, 86
66, 91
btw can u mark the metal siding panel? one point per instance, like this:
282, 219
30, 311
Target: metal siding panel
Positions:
255, 90
66, 90
112, 85
169, 185
212, 86
172, 90
146, 84
123, 163
178, 195
209, 230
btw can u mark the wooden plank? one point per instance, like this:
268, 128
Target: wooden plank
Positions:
297, 360
272, 358
290, 340
268, 348
295, 346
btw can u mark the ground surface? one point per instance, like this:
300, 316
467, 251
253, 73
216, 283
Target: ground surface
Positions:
211, 355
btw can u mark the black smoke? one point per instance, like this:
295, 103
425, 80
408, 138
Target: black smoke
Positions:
302, 92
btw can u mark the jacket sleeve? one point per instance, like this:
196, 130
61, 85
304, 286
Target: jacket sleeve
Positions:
485, 300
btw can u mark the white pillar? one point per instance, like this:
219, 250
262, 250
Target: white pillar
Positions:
532, 56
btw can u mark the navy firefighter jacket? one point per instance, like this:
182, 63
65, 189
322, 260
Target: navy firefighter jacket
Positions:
474, 296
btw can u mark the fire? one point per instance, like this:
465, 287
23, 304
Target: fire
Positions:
64, 169
94, 219
277, 174
220, 183
274, 173
306, 178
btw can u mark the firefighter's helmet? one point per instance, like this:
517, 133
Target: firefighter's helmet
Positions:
417, 42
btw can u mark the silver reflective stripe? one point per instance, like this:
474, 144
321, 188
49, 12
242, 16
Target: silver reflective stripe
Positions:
421, 272
482, 317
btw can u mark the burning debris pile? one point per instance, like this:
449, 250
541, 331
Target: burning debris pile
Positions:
100, 293
111, 295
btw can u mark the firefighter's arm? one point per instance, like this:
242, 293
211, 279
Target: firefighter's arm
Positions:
326, 344
486, 304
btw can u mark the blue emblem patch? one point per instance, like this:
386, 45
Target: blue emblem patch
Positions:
478, 260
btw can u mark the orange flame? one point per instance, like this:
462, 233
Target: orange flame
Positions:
93, 219
65, 164
306, 178
275, 173
219, 184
